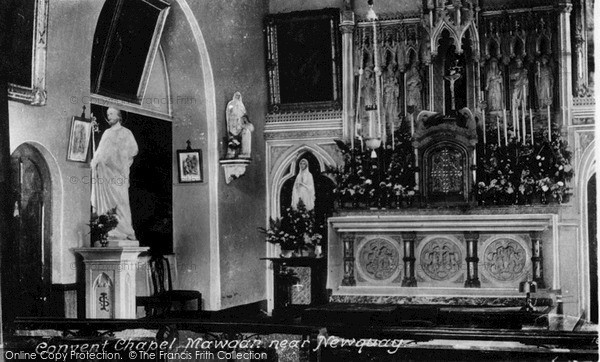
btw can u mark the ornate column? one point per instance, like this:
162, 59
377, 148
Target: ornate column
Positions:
409, 259
472, 238
565, 76
537, 259
349, 280
347, 29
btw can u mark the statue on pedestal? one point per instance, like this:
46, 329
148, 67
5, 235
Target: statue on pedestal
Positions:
110, 175
239, 128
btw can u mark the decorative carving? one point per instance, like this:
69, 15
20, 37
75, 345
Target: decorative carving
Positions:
457, 17
379, 259
505, 259
446, 171
441, 259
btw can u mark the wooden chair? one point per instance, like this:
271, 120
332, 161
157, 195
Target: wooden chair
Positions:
163, 297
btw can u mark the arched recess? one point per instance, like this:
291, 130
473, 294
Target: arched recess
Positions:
587, 167
31, 250
61, 257
285, 169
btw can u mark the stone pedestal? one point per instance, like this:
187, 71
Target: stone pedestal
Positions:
110, 280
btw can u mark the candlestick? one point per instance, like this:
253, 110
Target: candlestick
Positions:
377, 77
498, 129
531, 125
523, 120
484, 135
393, 138
515, 123
505, 130
549, 125
412, 123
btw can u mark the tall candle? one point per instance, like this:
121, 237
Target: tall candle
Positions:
393, 139
515, 123
505, 130
498, 128
549, 125
524, 124
531, 125
377, 77
412, 124
484, 135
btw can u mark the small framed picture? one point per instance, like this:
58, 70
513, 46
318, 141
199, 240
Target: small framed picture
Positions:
189, 164
79, 139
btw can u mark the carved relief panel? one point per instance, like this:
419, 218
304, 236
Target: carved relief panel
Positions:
440, 260
504, 261
378, 260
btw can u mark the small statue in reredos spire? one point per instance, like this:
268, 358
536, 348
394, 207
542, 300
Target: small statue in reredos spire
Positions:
239, 129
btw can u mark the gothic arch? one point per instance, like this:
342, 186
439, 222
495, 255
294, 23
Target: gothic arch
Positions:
59, 249
284, 169
587, 169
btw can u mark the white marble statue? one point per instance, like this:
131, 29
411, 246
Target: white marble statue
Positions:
110, 174
520, 85
413, 87
544, 83
304, 187
494, 87
239, 127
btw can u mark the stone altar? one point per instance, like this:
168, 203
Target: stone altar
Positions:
480, 259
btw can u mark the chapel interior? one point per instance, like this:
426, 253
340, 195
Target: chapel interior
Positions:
420, 171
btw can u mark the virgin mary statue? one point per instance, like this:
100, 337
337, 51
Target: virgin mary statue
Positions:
304, 187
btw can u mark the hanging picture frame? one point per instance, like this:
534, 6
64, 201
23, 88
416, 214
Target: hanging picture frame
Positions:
79, 139
189, 165
304, 60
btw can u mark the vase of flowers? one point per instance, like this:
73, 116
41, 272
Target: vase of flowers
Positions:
297, 232
101, 225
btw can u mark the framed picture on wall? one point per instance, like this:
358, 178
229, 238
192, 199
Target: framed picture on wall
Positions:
189, 165
304, 60
79, 139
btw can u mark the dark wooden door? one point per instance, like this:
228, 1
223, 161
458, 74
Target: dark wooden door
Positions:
29, 258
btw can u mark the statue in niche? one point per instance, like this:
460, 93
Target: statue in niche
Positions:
519, 85
239, 128
413, 87
391, 92
494, 87
304, 187
367, 87
544, 83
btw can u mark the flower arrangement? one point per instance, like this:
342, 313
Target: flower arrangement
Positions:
297, 230
101, 225
513, 173
375, 182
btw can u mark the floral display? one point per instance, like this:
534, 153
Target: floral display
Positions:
100, 225
386, 180
297, 230
516, 172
